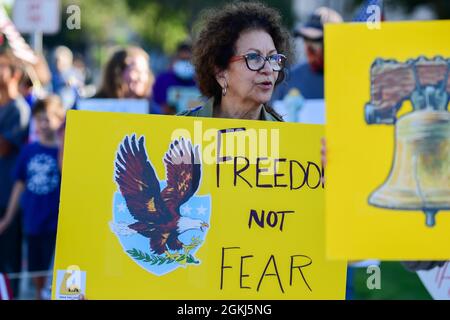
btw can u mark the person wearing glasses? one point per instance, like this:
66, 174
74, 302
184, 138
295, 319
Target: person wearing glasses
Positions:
239, 58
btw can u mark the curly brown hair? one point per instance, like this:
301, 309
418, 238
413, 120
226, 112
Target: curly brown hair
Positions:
221, 28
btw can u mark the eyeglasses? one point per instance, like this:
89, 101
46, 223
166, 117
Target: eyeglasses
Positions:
256, 62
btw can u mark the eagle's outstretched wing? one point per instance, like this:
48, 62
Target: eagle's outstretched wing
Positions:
138, 183
183, 169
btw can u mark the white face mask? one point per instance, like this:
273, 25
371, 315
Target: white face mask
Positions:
184, 70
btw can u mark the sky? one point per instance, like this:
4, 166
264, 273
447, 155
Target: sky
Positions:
7, 2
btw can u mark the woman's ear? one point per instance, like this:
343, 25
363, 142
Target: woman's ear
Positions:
222, 78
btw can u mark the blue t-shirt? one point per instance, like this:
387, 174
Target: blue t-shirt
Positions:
305, 79
13, 124
37, 167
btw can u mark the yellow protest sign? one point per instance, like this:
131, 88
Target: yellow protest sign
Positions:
150, 210
388, 141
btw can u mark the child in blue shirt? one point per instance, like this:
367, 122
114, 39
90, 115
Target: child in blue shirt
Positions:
37, 183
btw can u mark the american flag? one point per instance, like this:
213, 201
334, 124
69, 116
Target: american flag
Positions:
363, 14
17, 43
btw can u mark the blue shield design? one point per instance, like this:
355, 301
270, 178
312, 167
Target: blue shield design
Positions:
160, 224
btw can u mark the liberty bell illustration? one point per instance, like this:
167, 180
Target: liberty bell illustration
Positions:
419, 179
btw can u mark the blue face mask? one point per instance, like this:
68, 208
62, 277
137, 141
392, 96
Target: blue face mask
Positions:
184, 70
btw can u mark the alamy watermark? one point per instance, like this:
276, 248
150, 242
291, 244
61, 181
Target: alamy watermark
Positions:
215, 144
373, 21
374, 280
73, 21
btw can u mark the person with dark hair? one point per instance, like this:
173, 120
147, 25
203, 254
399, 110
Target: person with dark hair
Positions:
307, 77
239, 58
14, 119
36, 188
127, 75
175, 90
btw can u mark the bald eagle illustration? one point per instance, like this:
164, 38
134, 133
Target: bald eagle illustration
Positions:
158, 212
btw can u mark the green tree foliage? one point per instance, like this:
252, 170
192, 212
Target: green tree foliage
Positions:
159, 24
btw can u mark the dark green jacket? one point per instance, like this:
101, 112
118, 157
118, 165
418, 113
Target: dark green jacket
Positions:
207, 112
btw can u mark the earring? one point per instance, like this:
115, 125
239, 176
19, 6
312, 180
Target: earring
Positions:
225, 89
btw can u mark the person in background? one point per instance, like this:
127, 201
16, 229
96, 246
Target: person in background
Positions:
127, 74
26, 88
80, 69
36, 187
307, 78
175, 90
14, 119
36, 78
66, 80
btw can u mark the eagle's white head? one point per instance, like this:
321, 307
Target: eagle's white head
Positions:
185, 224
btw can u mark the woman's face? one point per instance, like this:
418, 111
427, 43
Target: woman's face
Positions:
137, 77
247, 86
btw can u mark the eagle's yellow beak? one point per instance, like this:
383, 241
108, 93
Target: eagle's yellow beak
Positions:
204, 225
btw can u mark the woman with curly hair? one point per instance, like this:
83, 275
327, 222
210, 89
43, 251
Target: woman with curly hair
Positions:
240, 57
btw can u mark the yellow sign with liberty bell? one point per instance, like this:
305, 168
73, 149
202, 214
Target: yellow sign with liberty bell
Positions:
420, 175
388, 118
